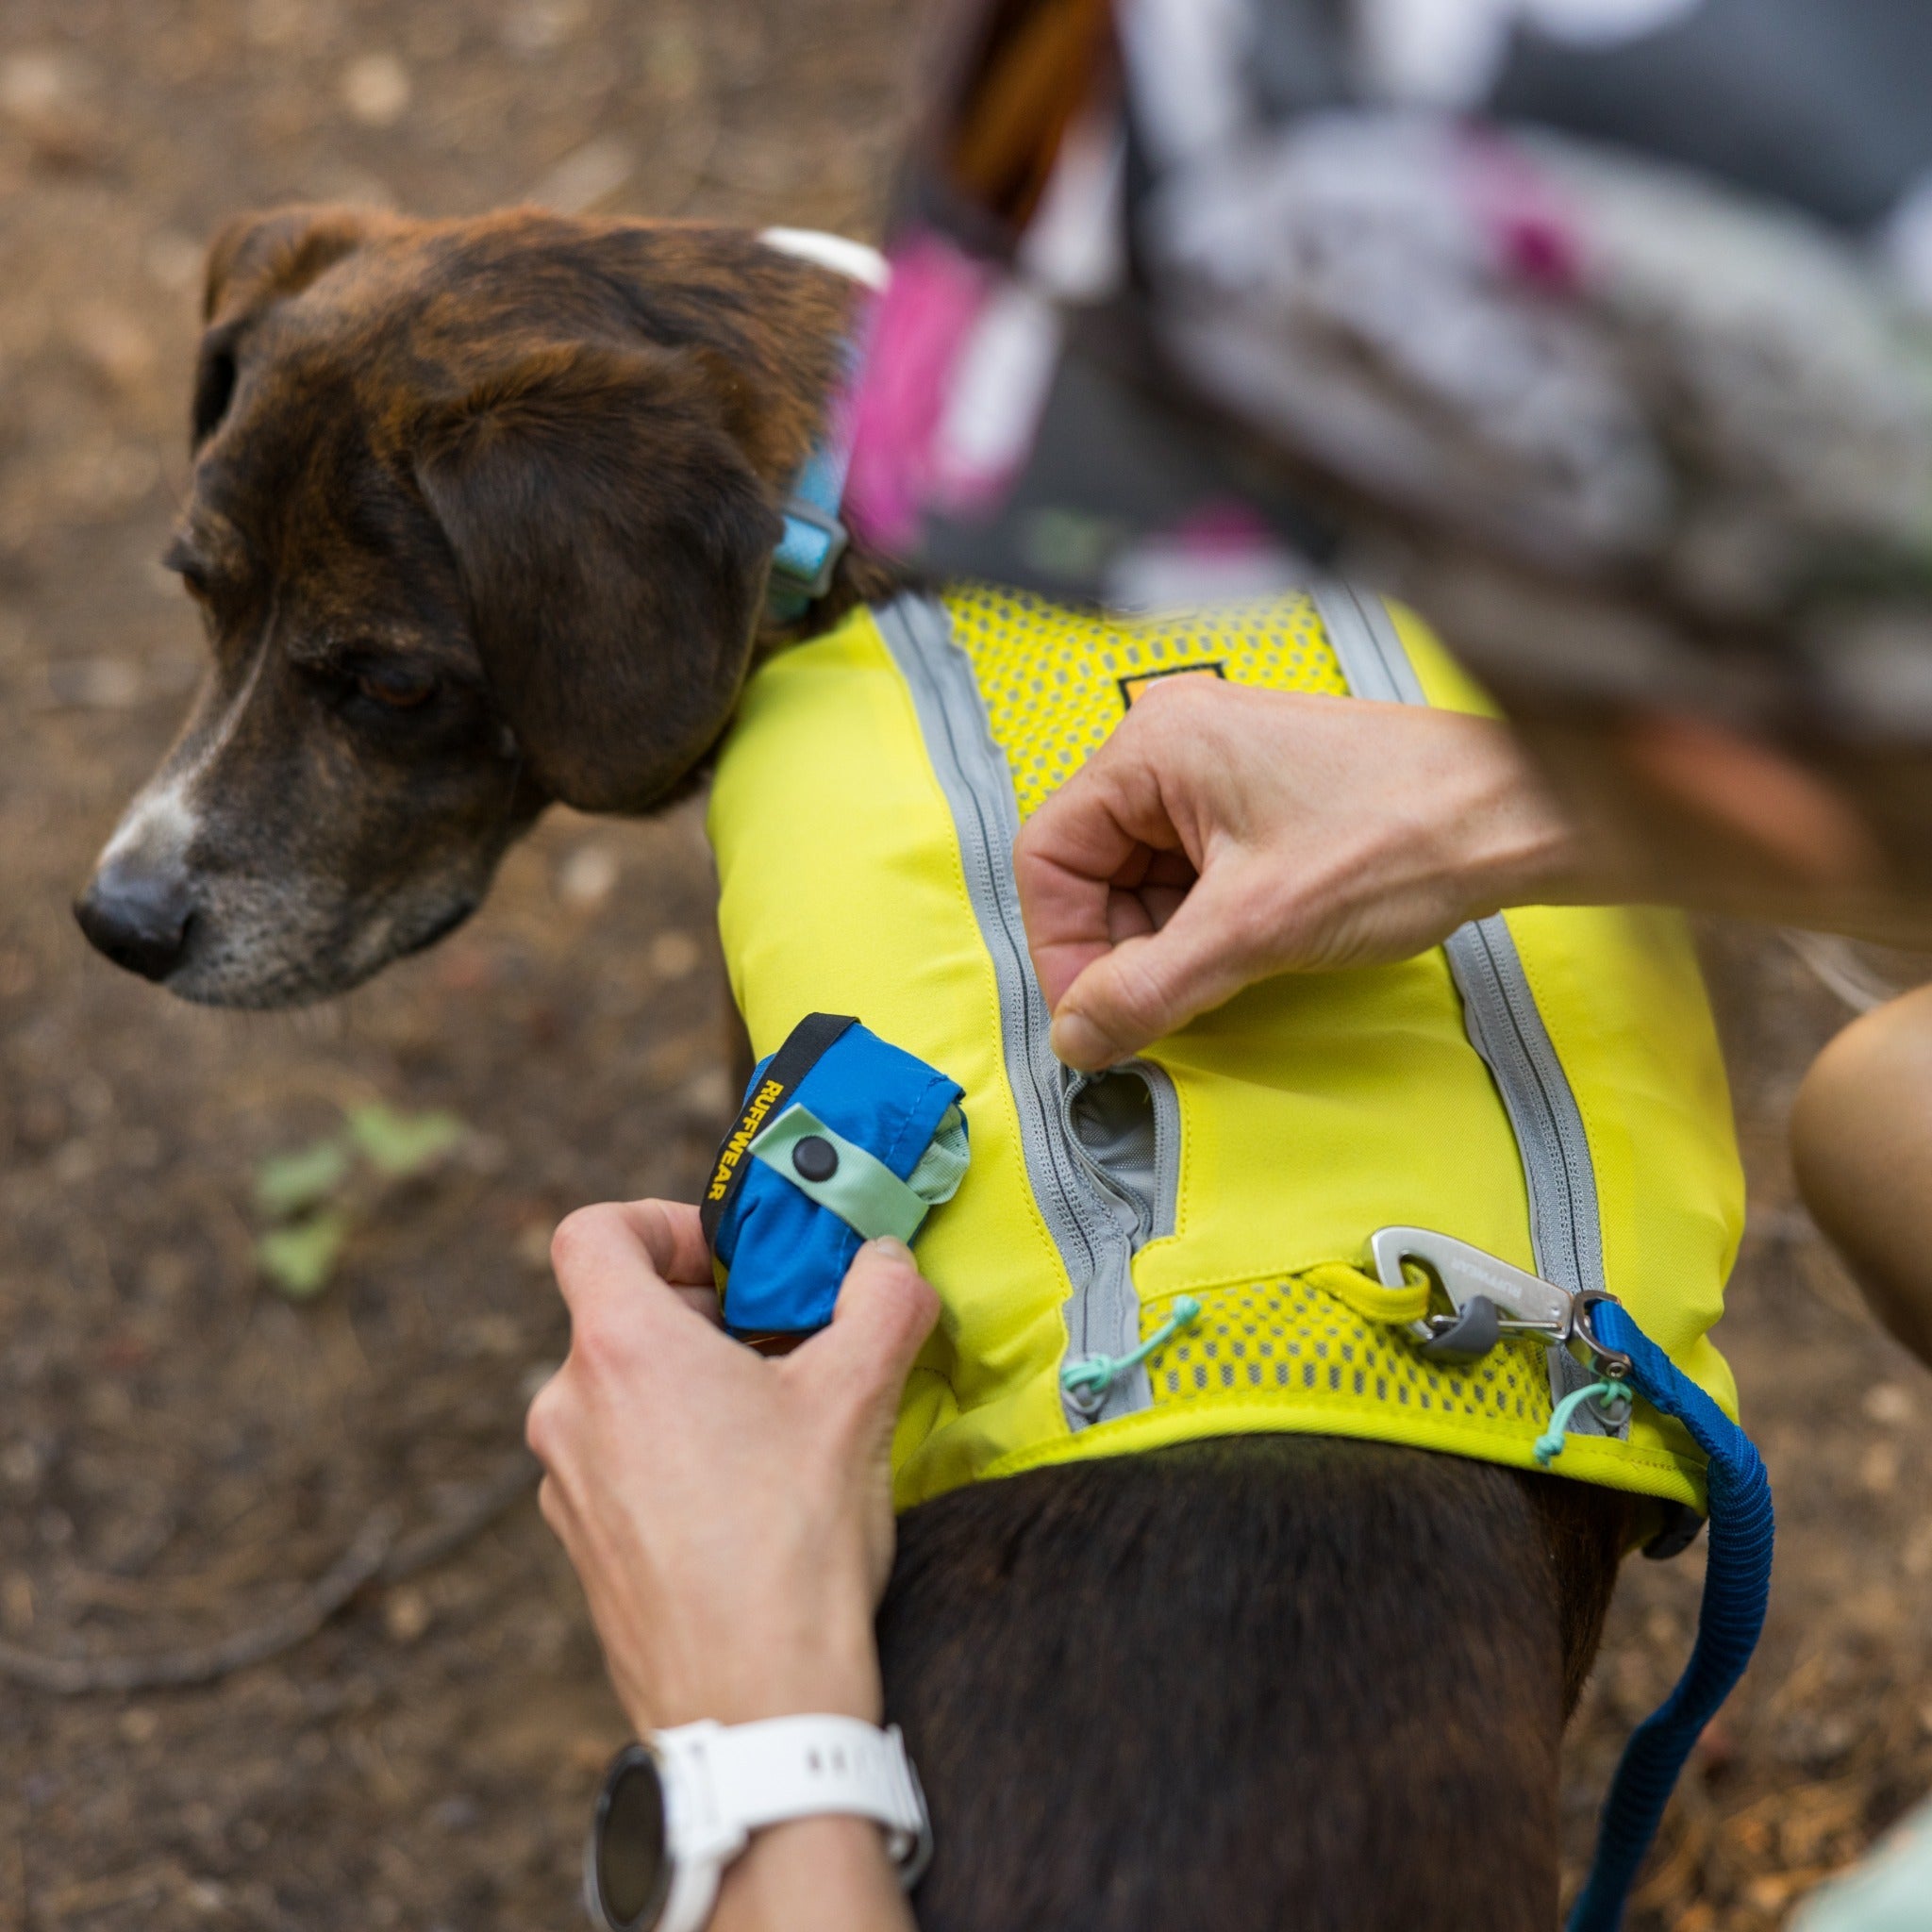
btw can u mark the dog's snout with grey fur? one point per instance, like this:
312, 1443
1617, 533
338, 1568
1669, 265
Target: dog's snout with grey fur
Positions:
479, 519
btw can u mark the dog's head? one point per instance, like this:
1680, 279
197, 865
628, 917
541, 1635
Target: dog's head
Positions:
480, 517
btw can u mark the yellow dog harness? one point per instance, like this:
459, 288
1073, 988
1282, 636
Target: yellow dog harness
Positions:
1187, 1247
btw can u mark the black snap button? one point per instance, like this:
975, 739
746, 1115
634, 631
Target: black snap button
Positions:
815, 1158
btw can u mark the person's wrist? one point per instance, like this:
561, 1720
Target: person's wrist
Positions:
751, 1676
1514, 844
845, 1859
1527, 853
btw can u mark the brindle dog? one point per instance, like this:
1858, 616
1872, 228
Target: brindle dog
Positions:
480, 517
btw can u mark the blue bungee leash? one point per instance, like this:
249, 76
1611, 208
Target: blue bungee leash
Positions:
1737, 1585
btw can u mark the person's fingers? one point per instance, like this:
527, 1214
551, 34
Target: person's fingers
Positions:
885, 1310
1102, 833
1068, 913
1159, 903
593, 1249
550, 1505
1070, 924
673, 1235
611, 1282
1142, 989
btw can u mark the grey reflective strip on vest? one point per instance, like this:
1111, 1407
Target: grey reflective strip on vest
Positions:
1500, 1013
1103, 1312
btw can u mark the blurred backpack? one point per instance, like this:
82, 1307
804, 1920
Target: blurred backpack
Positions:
1598, 329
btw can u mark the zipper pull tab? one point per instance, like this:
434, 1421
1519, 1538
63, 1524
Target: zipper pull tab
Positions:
1089, 1381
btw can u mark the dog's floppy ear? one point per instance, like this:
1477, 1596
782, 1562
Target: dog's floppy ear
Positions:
255, 259
613, 543
279, 252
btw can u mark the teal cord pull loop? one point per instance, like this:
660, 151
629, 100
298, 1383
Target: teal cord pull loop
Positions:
1088, 1381
1549, 1446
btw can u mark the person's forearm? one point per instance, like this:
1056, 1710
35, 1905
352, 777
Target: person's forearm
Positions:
1505, 840
730, 1519
820, 1875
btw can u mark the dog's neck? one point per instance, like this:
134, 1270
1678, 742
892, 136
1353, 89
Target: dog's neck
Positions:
861, 576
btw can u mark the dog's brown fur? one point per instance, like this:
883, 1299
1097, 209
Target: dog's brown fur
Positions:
480, 517
1272, 1682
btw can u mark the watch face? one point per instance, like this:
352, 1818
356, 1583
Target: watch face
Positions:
630, 1873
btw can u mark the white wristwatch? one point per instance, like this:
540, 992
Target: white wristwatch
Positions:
675, 1810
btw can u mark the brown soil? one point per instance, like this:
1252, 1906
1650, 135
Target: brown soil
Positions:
182, 1450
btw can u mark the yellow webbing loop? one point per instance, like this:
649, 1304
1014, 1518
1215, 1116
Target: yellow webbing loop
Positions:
1369, 1298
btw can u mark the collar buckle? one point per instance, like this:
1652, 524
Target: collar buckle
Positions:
808, 553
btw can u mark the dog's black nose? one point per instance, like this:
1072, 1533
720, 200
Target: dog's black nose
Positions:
139, 918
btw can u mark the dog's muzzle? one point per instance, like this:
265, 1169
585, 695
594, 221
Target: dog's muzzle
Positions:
138, 915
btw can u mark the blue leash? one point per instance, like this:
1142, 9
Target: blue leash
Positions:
1737, 1583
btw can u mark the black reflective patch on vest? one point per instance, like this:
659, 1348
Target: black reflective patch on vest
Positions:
1132, 687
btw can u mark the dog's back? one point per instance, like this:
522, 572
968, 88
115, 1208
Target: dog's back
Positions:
1207, 1687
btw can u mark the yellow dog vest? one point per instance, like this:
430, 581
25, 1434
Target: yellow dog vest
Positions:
1546, 1087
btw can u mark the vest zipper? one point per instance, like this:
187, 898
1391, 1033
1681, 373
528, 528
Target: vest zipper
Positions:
1076, 1193
1505, 1027
1130, 1198
1153, 1204
1103, 1310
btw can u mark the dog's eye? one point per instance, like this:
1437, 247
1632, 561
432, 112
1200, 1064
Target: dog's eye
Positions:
399, 689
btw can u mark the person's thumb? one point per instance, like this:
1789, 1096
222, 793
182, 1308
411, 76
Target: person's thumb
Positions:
1151, 984
885, 1311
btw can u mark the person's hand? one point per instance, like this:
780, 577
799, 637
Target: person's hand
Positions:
1225, 833
729, 1516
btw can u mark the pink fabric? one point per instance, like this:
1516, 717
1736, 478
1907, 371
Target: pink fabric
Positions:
921, 323
1224, 527
1536, 237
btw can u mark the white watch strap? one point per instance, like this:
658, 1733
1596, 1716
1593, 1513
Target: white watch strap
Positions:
724, 1782
802, 1767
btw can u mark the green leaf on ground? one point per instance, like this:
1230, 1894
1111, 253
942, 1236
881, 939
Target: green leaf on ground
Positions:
401, 1145
299, 1260
290, 1183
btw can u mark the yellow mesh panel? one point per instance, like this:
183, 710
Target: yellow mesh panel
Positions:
1055, 681
1287, 1340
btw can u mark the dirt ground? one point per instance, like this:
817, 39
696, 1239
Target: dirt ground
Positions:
182, 1449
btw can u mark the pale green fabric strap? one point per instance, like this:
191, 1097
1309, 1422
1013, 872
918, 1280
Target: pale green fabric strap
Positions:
862, 1192
943, 1166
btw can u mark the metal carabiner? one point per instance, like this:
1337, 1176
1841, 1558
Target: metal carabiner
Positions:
1490, 1299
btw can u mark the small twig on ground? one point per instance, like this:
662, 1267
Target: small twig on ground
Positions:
78, 1676
470, 1518
375, 1555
